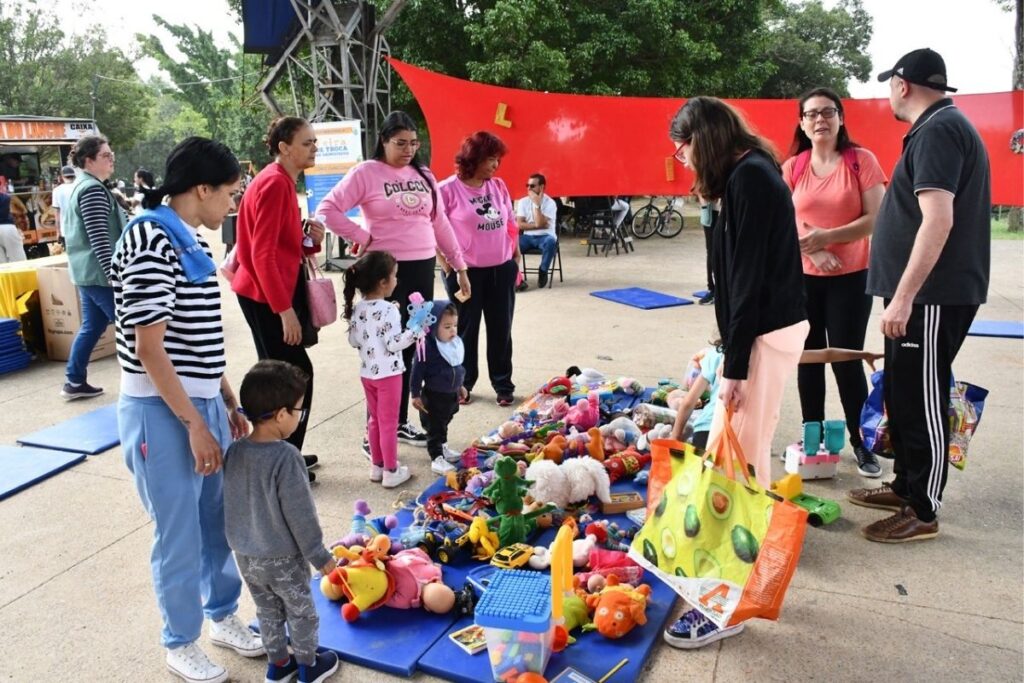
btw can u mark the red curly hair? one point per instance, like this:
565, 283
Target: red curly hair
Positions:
475, 149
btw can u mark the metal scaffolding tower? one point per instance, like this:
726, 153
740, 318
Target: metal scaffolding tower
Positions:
340, 46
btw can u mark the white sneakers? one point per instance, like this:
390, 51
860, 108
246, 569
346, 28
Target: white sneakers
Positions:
450, 455
376, 473
232, 633
390, 480
441, 466
191, 664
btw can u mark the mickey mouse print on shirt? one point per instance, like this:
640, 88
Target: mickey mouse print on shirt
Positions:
490, 216
377, 332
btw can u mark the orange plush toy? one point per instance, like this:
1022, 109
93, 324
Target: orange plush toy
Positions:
618, 608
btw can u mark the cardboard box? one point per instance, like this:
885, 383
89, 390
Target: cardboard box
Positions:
62, 314
621, 502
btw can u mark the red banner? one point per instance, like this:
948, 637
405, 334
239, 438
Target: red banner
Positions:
598, 145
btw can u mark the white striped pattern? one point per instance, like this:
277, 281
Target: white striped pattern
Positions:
935, 409
95, 206
150, 287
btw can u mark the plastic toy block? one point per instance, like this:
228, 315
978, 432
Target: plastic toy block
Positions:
516, 601
821, 465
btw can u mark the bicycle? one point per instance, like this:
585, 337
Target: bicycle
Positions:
667, 222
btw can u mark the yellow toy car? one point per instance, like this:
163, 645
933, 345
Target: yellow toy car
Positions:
513, 556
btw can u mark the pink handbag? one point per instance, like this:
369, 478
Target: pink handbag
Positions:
323, 301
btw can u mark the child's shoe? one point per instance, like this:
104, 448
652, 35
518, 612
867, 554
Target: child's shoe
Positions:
450, 455
441, 466
283, 673
693, 630
326, 664
376, 473
191, 664
231, 633
390, 480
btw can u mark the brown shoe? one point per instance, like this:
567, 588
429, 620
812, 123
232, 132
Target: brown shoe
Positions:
881, 497
902, 527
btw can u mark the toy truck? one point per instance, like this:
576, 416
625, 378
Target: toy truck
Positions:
820, 511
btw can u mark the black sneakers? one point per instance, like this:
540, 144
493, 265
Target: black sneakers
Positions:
410, 434
70, 391
707, 299
311, 461
542, 279
867, 463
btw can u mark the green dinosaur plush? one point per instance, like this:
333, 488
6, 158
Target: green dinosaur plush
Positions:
574, 610
508, 488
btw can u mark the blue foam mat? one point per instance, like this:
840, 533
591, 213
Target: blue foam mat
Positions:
592, 654
701, 293
91, 433
1010, 329
638, 297
20, 468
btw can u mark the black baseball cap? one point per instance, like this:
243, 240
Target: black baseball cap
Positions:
68, 172
923, 67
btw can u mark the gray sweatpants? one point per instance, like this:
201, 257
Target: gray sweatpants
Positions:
280, 589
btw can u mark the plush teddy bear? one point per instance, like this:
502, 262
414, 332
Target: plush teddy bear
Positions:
658, 431
575, 480
618, 608
585, 413
619, 434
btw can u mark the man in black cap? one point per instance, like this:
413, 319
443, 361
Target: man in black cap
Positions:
930, 256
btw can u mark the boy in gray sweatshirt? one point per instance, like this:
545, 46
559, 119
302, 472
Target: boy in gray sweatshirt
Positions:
272, 525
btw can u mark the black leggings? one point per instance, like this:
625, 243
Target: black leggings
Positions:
838, 311
413, 276
268, 335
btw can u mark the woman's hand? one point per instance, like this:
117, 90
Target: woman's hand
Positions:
825, 261
316, 230
815, 239
464, 285
732, 391
205, 449
292, 327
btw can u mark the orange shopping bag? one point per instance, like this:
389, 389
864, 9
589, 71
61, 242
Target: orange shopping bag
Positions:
714, 535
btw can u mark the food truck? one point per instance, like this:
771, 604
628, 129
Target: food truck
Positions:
32, 151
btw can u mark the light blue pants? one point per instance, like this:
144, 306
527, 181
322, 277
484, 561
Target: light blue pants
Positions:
193, 571
548, 245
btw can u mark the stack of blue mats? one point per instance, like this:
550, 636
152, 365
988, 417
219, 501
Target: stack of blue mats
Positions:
13, 355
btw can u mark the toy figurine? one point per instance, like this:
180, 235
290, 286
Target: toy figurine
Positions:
618, 608
625, 464
420, 320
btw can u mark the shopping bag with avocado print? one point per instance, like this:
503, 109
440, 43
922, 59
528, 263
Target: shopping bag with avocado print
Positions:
714, 535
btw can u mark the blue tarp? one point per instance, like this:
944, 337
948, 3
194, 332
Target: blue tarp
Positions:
268, 25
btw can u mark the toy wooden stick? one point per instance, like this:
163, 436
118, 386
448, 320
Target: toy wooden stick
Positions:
613, 670
561, 583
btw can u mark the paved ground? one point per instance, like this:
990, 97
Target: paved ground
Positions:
75, 596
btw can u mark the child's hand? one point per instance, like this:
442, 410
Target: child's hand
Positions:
329, 567
417, 403
463, 393
870, 359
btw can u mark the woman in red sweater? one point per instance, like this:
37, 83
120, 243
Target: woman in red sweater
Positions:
269, 281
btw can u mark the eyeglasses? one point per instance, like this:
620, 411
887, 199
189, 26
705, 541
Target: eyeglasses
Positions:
826, 113
406, 144
303, 412
107, 155
532, 186
678, 154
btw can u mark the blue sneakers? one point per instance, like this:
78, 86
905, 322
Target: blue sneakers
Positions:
284, 673
693, 630
326, 664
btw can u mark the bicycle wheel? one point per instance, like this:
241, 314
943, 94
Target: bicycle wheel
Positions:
671, 225
645, 222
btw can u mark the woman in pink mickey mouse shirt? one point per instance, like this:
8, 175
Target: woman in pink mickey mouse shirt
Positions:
404, 216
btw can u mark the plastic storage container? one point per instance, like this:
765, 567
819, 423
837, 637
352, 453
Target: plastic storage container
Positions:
515, 613
647, 415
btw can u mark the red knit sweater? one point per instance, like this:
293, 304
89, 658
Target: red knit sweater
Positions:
269, 240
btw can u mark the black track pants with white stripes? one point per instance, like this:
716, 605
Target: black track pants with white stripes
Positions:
918, 369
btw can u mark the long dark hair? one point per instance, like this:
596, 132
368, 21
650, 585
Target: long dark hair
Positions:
717, 134
146, 177
800, 139
365, 275
193, 161
395, 123
86, 147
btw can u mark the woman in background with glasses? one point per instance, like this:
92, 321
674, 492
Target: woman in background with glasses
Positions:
837, 189
404, 215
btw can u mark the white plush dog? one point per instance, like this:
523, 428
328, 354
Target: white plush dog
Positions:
573, 481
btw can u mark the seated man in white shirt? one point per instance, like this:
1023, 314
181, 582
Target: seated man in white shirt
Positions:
536, 216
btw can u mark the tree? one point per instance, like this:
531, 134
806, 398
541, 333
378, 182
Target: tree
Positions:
45, 72
172, 122
217, 83
813, 46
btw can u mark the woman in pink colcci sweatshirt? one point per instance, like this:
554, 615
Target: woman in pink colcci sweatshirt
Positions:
404, 216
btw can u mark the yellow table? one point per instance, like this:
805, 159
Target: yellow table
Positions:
20, 277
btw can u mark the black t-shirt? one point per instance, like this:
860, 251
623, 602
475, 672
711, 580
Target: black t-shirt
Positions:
942, 151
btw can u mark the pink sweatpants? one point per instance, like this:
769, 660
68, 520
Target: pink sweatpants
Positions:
773, 361
383, 397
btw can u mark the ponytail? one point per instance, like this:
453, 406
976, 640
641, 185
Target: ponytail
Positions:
152, 197
365, 275
349, 290
193, 161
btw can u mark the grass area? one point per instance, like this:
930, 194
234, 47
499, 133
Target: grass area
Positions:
1000, 231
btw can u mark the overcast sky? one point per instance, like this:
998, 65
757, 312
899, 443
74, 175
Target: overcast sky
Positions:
974, 36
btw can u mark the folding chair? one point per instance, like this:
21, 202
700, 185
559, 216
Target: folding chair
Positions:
556, 264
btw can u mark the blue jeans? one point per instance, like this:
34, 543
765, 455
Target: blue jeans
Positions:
194, 573
97, 312
548, 245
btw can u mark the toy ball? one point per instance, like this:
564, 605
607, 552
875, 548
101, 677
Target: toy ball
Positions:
391, 522
361, 507
529, 677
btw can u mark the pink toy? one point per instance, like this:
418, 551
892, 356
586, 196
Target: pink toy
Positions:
585, 414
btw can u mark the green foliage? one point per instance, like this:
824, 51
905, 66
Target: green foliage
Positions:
44, 72
172, 122
812, 46
216, 83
